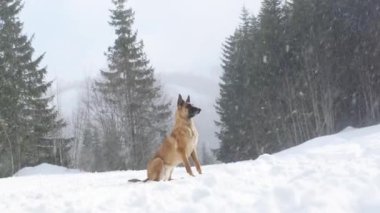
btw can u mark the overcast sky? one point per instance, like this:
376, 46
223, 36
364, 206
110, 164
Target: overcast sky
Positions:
182, 40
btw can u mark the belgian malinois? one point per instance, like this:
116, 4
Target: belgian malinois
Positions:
178, 146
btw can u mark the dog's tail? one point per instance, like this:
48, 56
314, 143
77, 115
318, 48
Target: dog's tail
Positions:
137, 180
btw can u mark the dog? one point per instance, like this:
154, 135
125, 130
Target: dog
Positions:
178, 146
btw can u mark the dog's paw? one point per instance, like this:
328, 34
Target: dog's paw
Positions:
199, 171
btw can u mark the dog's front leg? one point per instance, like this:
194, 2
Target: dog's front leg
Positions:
170, 176
194, 156
186, 162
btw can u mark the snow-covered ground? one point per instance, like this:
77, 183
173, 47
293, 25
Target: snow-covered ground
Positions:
45, 169
338, 173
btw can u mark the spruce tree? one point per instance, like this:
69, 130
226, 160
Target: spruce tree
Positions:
234, 104
270, 72
313, 71
25, 110
226, 105
361, 20
131, 89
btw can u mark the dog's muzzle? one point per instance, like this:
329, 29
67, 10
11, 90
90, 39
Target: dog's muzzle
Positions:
194, 111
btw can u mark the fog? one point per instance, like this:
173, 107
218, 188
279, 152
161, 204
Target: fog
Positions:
182, 40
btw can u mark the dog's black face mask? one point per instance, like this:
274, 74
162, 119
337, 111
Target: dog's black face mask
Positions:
193, 110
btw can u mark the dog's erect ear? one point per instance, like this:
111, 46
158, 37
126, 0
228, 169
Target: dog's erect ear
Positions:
188, 99
180, 100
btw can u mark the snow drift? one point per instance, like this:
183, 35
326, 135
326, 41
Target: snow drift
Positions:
337, 173
45, 169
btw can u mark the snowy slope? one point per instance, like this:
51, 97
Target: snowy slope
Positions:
338, 173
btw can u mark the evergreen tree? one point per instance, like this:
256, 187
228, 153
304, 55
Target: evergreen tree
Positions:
233, 106
361, 22
24, 110
270, 71
132, 91
309, 69
251, 106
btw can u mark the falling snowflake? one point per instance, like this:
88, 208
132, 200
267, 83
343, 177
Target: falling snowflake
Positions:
265, 59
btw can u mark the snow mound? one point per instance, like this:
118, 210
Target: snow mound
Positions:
347, 129
45, 169
336, 173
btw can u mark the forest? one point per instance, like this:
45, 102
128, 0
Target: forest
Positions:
297, 70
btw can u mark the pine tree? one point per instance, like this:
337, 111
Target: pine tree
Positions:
313, 70
321, 65
130, 87
270, 72
24, 109
234, 104
361, 22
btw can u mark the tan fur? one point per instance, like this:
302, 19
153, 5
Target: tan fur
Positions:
176, 148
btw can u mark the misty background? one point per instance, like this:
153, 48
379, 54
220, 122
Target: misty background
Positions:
182, 41
293, 71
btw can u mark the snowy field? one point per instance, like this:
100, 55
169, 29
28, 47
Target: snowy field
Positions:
338, 173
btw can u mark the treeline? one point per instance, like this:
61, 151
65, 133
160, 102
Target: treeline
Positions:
122, 118
300, 69
27, 119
